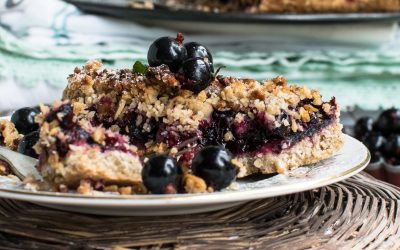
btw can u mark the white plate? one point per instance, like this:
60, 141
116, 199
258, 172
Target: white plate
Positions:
353, 157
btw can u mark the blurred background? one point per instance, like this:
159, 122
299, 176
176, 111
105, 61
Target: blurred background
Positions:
343, 48
355, 57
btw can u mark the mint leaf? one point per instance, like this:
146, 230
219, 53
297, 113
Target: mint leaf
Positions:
139, 68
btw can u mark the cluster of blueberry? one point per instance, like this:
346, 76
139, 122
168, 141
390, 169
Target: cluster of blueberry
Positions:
192, 61
24, 121
382, 137
193, 64
162, 174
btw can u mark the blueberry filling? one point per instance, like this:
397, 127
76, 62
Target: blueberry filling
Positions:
252, 136
169, 135
63, 114
115, 142
248, 136
131, 123
139, 134
78, 136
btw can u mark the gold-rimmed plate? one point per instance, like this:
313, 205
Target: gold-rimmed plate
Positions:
351, 159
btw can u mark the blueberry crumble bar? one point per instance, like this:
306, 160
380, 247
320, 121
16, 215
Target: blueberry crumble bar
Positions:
287, 6
176, 126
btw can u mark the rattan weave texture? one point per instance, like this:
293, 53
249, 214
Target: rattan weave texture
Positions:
359, 213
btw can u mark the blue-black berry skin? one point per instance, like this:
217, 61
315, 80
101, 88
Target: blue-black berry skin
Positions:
24, 120
161, 174
388, 121
25, 146
197, 74
169, 51
196, 50
363, 127
214, 165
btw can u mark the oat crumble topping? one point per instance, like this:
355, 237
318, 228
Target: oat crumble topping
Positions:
158, 96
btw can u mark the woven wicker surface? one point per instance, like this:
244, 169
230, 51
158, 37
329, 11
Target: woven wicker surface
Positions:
358, 213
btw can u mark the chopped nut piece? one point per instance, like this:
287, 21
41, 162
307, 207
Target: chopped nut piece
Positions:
310, 108
326, 107
112, 188
294, 126
258, 94
317, 98
228, 136
85, 187
305, 116
125, 190
280, 80
258, 163
194, 184
92, 66
173, 151
98, 135
121, 107
78, 107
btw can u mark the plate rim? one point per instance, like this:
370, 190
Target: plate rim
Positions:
183, 199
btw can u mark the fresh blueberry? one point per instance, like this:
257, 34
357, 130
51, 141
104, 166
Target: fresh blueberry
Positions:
161, 175
197, 74
24, 120
196, 50
214, 165
76, 136
389, 121
27, 142
374, 142
376, 157
167, 50
392, 146
363, 126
